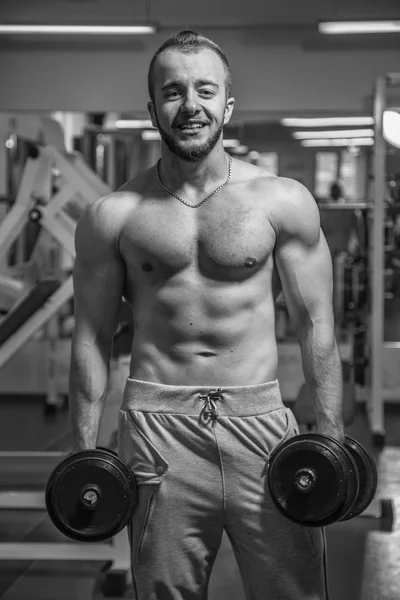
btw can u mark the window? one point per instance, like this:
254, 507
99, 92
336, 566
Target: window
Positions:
326, 173
348, 175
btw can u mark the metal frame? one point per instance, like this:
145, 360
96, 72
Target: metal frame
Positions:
16, 219
377, 260
347, 206
77, 180
376, 394
116, 551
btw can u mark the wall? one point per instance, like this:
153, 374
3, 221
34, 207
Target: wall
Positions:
273, 79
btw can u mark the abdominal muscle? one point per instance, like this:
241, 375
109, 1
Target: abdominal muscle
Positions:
190, 335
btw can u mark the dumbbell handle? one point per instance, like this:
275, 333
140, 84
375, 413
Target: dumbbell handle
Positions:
90, 496
305, 479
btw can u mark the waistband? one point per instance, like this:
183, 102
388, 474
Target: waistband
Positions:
241, 401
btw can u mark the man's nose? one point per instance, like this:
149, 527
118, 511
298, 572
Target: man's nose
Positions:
190, 104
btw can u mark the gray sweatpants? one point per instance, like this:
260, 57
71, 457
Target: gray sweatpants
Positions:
200, 458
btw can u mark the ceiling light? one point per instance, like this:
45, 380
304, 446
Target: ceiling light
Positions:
338, 142
139, 29
391, 127
327, 121
133, 123
241, 149
231, 143
151, 135
339, 133
358, 27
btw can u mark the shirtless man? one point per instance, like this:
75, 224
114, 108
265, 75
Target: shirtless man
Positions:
201, 246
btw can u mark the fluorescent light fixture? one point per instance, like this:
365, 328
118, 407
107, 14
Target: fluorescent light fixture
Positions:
391, 127
358, 27
228, 143
133, 123
151, 135
77, 29
338, 133
328, 121
241, 149
338, 142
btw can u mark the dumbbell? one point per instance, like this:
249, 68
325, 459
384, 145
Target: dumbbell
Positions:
316, 481
91, 495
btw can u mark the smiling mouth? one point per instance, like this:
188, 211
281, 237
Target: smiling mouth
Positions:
191, 126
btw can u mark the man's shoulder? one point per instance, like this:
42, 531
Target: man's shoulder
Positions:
103, 220
252, 174
124, 200
110, 209
294, 207
282, 188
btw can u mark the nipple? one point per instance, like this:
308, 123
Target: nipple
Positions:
147, 267
250, 262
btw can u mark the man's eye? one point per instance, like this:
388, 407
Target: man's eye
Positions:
206, 92
172, 94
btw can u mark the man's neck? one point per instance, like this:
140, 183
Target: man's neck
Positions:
178, 174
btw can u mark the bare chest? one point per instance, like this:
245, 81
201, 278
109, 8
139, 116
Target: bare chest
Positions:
223, 240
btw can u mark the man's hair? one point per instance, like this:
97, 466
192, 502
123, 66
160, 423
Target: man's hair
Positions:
189, 41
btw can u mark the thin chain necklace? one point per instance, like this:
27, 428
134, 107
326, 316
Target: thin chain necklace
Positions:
205, 199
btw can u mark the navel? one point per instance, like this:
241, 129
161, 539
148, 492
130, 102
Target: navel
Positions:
250, 262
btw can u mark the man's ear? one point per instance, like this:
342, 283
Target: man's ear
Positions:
229, 110
150, 108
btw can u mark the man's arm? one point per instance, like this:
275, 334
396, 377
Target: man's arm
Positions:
305, 268
98, 287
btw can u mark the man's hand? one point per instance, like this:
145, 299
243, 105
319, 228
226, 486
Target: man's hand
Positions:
334, 432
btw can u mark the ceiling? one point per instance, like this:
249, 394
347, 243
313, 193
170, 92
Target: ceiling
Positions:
281, 19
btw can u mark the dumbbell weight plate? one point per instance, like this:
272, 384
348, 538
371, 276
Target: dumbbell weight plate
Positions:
354, 481
367, 474
336, 481
91, 495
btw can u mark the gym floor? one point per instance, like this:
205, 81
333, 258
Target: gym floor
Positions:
363, 562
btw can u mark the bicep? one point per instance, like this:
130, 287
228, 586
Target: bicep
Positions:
98, 278
304, 265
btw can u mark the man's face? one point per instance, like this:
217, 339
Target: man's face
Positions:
190, 106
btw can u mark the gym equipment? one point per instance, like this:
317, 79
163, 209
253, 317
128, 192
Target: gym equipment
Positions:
49, 205
355, 285
303, 410
25, 475
91, 495
360, 360
28, 305
315, 481
376, 392
367, 477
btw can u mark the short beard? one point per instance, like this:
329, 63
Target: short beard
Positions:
193, 153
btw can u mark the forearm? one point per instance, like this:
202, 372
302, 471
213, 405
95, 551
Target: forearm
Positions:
88, 382
323, 372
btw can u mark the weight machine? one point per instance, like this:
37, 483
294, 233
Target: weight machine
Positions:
57, 212
13, 465
370, 357
75, 187
367, 352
